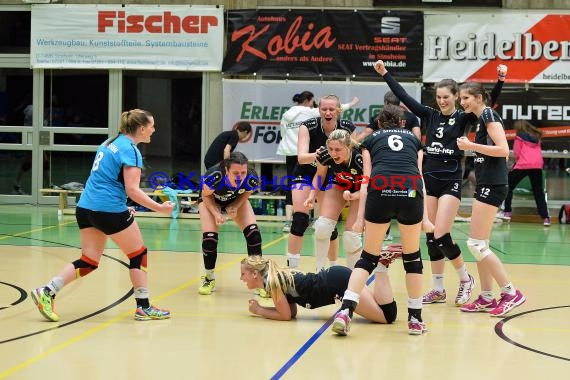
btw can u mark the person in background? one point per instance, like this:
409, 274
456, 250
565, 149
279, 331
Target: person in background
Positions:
528, 162
290, 121
102, 213
289, 288
226, 142
491, 150
226, 192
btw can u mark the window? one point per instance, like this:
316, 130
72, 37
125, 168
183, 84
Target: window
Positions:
15, 32
15, 97
175, 100
76, 98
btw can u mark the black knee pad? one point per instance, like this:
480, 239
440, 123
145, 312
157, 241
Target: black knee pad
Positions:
210, 249
413, 262
84, 266
253, 239
367, 261
446, 245
137, 260
299, 223
390, 311
334, 234
210, 243
433, 250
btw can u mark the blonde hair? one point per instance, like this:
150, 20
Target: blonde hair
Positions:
132, 120
343, 137
525, 126
277, 280
331, 97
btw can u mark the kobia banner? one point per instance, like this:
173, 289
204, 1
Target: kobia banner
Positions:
468, 47
309, 43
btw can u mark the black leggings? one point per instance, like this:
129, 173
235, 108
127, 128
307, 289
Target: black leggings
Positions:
291, 162
535, 177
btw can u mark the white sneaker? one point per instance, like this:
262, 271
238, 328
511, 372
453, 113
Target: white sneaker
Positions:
465, 291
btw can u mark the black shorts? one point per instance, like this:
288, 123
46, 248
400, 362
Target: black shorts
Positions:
492, 195
440, 187
337, 279
107, 222
381, 207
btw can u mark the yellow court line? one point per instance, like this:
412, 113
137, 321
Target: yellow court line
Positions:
36, 230
117, 319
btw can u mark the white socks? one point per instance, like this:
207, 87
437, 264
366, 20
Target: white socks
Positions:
55, 285
293, 260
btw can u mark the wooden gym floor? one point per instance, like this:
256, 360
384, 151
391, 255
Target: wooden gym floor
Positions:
215, 337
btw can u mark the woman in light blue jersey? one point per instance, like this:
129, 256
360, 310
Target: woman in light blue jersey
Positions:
102, 212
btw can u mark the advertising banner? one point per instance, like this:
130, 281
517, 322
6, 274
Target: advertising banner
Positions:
546, 108
113, 36
263, 102
309, 43
468, 47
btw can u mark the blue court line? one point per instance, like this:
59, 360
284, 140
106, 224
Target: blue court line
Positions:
297, 355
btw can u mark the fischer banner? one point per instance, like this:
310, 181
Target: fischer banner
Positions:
468, 47
309, 43
263, 102
113, 36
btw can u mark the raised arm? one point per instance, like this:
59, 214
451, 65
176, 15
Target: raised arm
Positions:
502, 75
416, 107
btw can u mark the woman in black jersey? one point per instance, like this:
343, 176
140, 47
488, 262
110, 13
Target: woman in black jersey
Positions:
442, 174
392, 162
343, 170
290, 287
345, 173
313, 134
491, 150
225, 192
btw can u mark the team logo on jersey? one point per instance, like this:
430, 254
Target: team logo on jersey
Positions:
477, 128
353, 171
451, 121
241, 191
